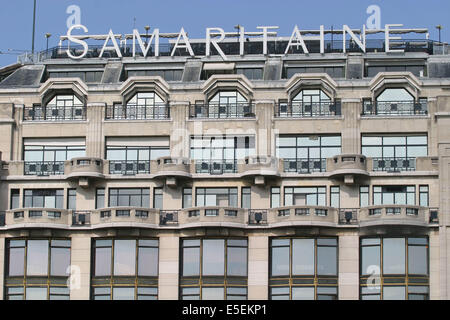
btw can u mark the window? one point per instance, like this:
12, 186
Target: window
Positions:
395, 101
213, 269
49, 159
305, 196
60, 108
423, 196
85, 76
394, 195
43, 198
246, 197
333, 71
394, 269
303, 269
218, 155
394, 152
417, 70
99, 198
306, 154
158, 198
251, 73
72, 199
363, 196
312, 102
275, 197
37, 269
124, 197
143, 105
224, 104
168, 75
15, 199
125, 269
335, 197
187, 198
133, 160
221, 197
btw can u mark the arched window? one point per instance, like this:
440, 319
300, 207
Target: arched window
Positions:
312, 102
141, 106
396, 101
61, 107
225, 104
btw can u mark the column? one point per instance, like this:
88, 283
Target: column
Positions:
2, 266
349, 267
169, 252
258, 267
435, 292
81, 267
95, 144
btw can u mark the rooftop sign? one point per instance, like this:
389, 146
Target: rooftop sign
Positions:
151, 43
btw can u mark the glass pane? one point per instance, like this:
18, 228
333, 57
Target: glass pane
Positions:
36, 294
212, 293
299, 293
123, 293
60, 261
394, 256
280, 261
124, 257
393, 293
148, 262
191, 261
326, 261
213, 257
417, 260
37, 257
370, 260
102, 261
16, 261
303, 256
237, 261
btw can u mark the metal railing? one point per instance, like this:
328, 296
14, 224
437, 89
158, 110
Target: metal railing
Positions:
304, 165
129, 167
216, 166
43, 168
168, 217
393, 108
81, 218
307, 110
215, 111
2, 218
54, 113
137, 112
348, 216
394, 164
257, 217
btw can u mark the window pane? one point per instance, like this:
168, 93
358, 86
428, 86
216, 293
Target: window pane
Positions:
417, 260
102, 261
123, 293
394, 256
36, 293
326, 261
16, 261
124, 257
37, 257
303, 256
148, 262
300, 293
237, 261
280, 261
191, 261
393, 293
212, 293
370, 260
213, 257
60, 261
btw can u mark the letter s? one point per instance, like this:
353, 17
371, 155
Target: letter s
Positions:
79, 41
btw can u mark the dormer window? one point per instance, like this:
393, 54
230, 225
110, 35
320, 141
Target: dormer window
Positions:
141, 106
224, 104
59, 108
309, 103
395, 101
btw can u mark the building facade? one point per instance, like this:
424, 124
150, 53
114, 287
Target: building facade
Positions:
298, 176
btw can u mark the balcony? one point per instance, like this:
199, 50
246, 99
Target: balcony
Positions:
307, 110
348, 166
84, 169
222, 111
125, 216
215, 167
394, 108
81, 218
171, 167
302, 215
304, 165
138, 112
43, 168
259, 168
214, 216
54, 113
397, 215
38, 218
394, 164
129, 167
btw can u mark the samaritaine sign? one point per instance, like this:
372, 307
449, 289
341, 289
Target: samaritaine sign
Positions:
216, 35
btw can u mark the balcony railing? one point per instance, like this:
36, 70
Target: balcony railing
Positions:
394, 108
81, 218
307, 110
304, 165
2, 218
394, 164
137, 112
168, 217
223, 111
43, 168
54, 113
216, 166
348, 216
129, 167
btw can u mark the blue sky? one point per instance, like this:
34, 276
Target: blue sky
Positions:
196, 15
